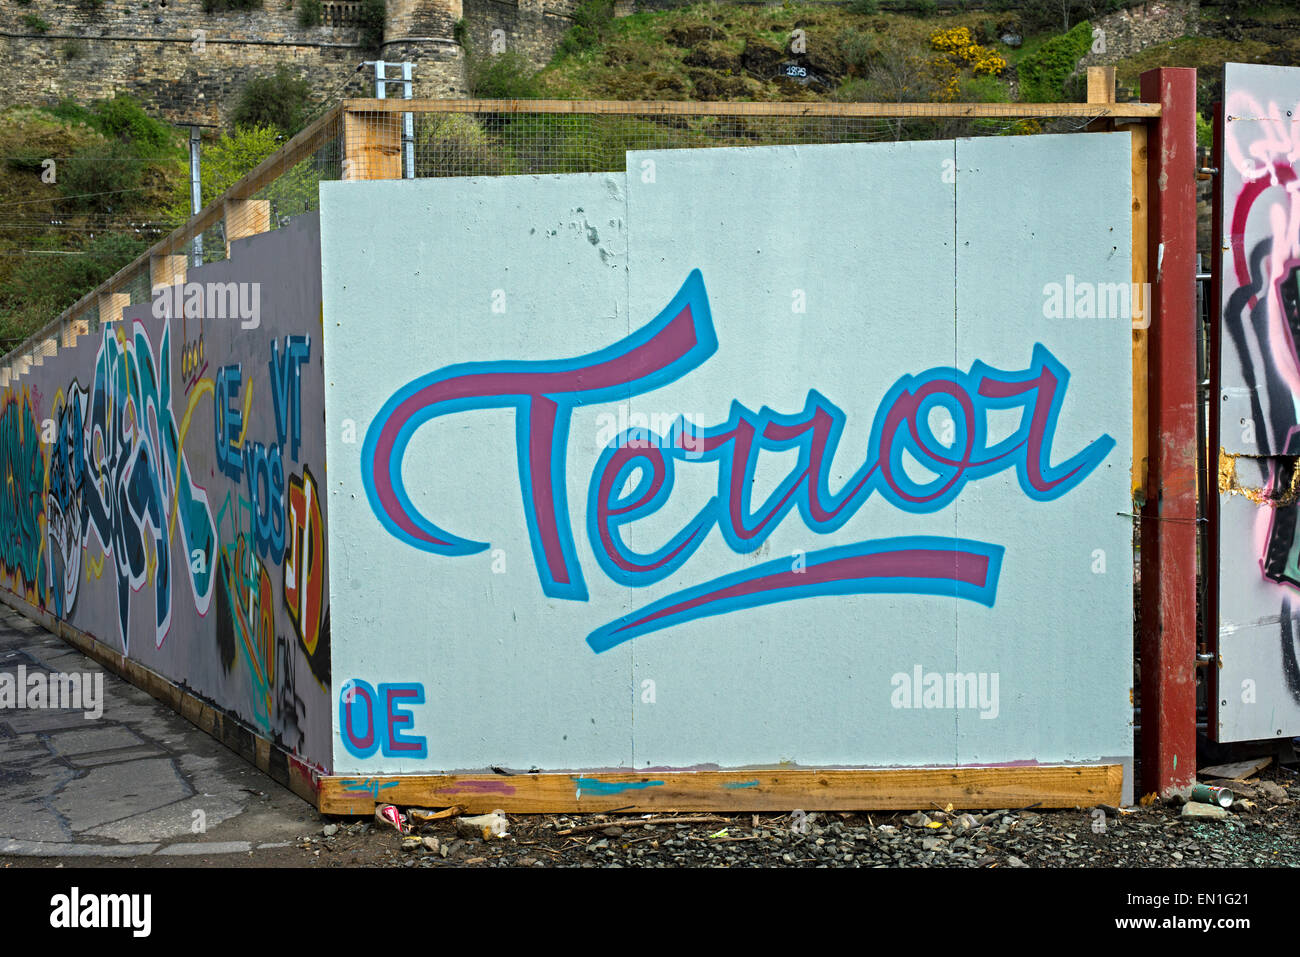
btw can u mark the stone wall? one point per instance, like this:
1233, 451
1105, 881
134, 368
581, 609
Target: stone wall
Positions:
187, 66
528, 27
1130, 31
184, 64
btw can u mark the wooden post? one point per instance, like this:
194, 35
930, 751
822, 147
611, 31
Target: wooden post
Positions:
167, 271
1141, 276
44, 349
1101, 93
246, 217
73, 329
111, 305
372, 146
1101, 84
1169, 527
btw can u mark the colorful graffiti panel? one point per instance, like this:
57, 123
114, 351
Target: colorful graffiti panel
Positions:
161, 487
1259, 325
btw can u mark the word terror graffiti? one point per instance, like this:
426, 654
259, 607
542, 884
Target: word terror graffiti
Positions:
137, 486
304, 572
22, 503
544, 393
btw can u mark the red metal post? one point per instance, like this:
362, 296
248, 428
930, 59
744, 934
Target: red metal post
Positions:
1169, 532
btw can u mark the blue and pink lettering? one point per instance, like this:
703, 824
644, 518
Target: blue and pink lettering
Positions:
634, 476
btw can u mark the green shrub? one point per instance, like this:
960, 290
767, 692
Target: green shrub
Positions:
1043, 73
506, 76
371, 19
226, 161
34, 23
984, 89
858, 48
74, 50
101, 179
311, 13
455, 144
866, 8
70, 111
121, 118
42, 286
213, 6
590, 21
124, 118
26, 163
1204, 132
926, 8
280, 100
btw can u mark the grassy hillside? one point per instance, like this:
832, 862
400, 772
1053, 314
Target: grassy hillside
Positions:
119, 178
82, 193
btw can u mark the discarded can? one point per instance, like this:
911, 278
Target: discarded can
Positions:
1208, 794
388, 814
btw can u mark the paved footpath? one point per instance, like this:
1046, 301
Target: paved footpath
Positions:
138, 780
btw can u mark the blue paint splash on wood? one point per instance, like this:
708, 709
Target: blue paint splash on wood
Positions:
595, 786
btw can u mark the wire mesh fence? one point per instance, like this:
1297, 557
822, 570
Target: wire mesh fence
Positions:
392, 139
515, 141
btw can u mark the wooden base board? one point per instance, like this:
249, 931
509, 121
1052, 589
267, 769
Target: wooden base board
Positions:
735, 791
273, 761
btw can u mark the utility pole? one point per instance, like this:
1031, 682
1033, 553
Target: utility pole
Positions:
196, 192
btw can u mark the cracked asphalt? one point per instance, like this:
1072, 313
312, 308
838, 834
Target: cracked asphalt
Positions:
137, 781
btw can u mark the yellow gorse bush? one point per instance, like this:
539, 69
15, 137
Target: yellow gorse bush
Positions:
956, 50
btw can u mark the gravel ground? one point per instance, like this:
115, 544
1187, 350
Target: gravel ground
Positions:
1262, 829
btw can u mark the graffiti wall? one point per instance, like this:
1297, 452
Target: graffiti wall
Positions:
163, 487
797, 456
1259, 544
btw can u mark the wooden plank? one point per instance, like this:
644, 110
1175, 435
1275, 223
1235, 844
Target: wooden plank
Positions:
1237, 771
372, 146
246, 217
750, 790
1128, 111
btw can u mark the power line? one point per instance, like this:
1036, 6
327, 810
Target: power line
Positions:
57, 199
